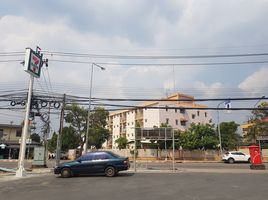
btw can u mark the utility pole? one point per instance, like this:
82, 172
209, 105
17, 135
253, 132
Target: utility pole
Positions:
32, 65
21, 171
58, 151
46, 136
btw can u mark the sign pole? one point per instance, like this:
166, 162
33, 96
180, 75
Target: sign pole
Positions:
21, 171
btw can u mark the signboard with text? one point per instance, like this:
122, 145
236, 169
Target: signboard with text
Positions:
33, 63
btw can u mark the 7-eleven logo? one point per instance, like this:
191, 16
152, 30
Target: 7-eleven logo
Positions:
35, 60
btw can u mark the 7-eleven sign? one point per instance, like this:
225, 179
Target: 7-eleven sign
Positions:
33, 63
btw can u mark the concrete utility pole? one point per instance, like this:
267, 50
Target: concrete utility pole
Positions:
58, 150
10, 132
32, 65
21, 171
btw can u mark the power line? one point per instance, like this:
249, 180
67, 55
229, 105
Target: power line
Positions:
58, 53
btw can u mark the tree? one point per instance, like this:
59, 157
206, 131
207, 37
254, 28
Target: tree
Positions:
122, 142
70, 140
230, 139
35, 137
77, 119
258, 127
52, 143
198, 136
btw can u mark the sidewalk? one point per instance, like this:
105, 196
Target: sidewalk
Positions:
9, 176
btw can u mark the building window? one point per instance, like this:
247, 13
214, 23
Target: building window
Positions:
18, 133
210, 121
128, 124
167, 120
206, 114
182, 110
177, 122
198, 113
193, 116
145, 120
183, 123
176, 110
166, 108
132, 123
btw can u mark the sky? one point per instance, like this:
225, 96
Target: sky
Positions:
139, 28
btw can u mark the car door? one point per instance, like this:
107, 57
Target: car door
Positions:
239, 156
100, 160
85, 165
242, 157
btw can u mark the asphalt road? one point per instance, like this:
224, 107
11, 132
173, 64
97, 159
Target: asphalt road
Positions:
156, 165
153, 186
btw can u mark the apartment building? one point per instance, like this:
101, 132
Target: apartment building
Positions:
123, 123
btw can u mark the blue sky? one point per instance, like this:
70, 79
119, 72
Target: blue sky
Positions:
125, 27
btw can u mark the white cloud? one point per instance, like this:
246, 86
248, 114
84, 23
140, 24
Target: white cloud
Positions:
208, 91
256, 82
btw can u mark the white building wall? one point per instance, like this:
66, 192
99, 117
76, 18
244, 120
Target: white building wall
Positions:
151, 117
199, 116
130, 127
116, 129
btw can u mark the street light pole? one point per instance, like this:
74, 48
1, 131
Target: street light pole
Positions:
89, 104
219, 128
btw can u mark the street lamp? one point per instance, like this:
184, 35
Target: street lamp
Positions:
89, 104
219, 128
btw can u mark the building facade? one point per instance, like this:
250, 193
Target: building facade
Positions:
10, 136
154, 114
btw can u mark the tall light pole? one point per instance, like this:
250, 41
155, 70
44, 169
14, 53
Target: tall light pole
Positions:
219, 128
89, 104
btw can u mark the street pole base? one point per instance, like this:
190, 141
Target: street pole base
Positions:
20, 173
257, 167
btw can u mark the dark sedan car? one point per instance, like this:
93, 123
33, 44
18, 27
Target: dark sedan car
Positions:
93, 163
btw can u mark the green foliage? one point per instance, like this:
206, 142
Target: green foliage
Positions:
52, 143
70, 140
258, 126
77, 119
97, 136
35, 137
229, 137
198, 136
122, 142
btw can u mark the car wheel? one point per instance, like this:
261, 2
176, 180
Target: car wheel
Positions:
249, 160
231, 160
110, 171
66, 173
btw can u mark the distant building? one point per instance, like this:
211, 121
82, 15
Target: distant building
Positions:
123, 123
247, 126
10, 136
